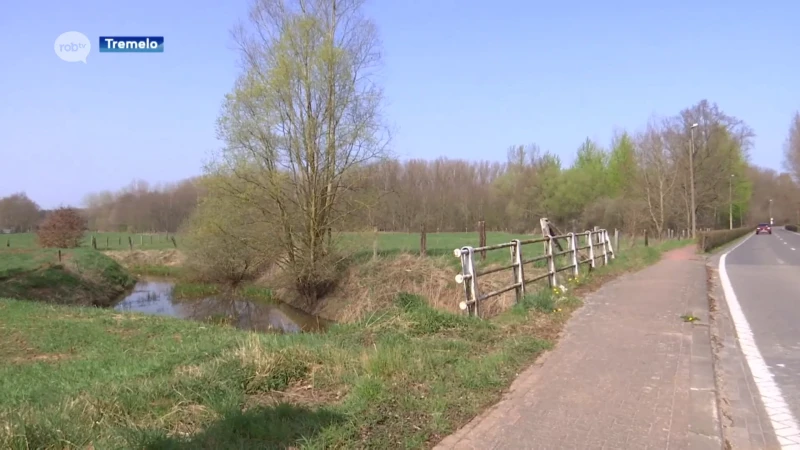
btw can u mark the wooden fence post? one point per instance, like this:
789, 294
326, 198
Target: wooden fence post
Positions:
645, 238
482, 238
130, 243
517, 270
375, 244
423, 241
174, 244
59, 255
616, 239
551, 263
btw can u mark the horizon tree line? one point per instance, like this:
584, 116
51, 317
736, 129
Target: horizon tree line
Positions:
639, 182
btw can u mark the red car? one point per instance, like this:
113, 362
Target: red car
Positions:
763, 228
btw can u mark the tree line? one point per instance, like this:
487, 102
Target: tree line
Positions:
640, 181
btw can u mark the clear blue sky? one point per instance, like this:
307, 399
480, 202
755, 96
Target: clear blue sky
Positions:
464, 79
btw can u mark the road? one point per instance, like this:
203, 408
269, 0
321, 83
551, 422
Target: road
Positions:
764, 274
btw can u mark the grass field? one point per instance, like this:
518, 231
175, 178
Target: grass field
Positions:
403, 378
438, 243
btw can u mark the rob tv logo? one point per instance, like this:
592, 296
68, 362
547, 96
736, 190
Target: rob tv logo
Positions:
72, 46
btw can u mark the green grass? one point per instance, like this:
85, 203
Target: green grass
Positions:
405, 377
201, 290
388, 243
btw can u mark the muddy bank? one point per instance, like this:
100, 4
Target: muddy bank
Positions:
374, 286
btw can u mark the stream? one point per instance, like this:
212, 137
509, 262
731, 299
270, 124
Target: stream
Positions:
155, 297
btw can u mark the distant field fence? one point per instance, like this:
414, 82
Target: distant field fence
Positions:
585, 248
97, 242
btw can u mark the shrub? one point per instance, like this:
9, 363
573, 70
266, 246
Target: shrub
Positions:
62, 229
224, 245
709, 240
791, 227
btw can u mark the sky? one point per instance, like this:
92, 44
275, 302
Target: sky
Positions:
463, 79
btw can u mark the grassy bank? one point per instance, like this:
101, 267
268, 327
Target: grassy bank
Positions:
199, 290
402, 378
80, 277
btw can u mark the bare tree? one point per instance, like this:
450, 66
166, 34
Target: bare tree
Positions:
63, 228
791, 149
658, 173
302, 116
18, 212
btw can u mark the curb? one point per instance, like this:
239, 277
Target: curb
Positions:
744, 424
705, 428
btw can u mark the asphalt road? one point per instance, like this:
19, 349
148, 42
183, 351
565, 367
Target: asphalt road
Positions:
764, 272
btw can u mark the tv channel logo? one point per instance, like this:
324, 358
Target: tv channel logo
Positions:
131, 44
72, 46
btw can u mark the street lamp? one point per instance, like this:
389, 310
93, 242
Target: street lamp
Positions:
691, 179
730, 201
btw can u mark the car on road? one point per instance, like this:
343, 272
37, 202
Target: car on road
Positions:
763, 228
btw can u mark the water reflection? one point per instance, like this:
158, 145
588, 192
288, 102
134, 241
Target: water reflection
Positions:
155, 297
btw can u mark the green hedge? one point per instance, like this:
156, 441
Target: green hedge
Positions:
709, 240
791, 228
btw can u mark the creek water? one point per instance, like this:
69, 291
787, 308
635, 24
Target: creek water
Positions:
152, 296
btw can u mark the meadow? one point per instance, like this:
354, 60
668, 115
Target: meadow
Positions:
388, 242
404, 378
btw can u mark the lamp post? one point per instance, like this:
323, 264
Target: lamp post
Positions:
691, 179
730, 202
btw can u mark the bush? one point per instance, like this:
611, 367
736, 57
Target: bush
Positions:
791, 227
709, 240
62, 229
224, 245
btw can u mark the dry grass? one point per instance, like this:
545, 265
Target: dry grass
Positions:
128, 258
373, 286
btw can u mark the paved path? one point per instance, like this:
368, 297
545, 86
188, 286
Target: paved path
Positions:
620, 376
763, 296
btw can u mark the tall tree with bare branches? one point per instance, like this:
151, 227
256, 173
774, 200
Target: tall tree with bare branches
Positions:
304, 113
791, 148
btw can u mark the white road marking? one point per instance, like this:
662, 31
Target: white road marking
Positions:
783, 422
792, 248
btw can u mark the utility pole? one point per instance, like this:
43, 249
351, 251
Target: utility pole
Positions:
691, 180
730, 202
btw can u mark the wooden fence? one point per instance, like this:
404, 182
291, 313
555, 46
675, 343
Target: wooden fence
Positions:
585, 248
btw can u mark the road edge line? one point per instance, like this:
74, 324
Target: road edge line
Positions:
783, 421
